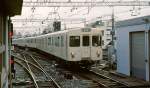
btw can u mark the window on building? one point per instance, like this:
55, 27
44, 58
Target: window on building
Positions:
108, 39
108, 29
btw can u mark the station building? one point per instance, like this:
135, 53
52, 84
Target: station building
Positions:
133, 47
8, 8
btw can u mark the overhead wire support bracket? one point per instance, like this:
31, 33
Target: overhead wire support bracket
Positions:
84, 4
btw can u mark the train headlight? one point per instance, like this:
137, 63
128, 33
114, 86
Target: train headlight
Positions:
98, 53
72, 54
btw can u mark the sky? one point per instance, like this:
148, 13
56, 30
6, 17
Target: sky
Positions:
87, 13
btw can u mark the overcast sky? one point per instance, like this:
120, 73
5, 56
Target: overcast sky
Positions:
90, 13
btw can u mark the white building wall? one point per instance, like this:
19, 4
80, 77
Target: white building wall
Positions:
122, 46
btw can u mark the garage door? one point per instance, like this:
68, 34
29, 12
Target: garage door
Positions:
138, 67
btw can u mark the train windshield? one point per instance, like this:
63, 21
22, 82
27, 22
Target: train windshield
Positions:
74, 41
96, 40
86, 41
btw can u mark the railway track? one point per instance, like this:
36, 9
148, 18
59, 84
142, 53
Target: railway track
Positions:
102, 80
72, 83
39, 77
52, 70
82, 78
122, 79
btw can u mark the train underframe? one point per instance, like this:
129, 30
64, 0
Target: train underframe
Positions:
72, 64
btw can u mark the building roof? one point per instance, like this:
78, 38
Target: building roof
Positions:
11, 7
135, 21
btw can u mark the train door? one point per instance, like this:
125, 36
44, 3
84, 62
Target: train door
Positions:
138, 64
86, 47
96, 47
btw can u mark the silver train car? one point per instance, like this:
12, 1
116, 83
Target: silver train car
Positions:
79, 45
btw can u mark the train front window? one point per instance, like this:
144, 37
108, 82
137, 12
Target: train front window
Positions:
86, 41
96, 41
74, 41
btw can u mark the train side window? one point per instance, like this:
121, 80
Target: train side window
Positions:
62, 41
95, 41
49, 41
55, 41
52, 41
74, 41
86, 40
58, 39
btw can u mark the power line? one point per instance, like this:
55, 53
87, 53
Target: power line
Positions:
49, 3
47, 20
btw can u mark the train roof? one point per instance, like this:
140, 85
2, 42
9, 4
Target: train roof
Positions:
134, 21
24, 38
53, 33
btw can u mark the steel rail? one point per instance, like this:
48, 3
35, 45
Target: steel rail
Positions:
31, 74
40, 68
101, 75
36, 85
45, 71
32, 64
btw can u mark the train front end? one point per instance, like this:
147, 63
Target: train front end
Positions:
85, 46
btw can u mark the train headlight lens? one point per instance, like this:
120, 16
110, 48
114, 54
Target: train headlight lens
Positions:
72, 54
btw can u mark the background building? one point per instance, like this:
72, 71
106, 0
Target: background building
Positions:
133, 46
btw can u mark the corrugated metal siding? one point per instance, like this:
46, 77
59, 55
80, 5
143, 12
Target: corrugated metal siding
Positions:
138, 67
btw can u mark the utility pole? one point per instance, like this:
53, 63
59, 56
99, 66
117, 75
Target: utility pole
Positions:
113, 31
113, 53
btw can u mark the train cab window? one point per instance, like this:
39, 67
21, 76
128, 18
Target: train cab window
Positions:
86, 40
96, 40
74, 41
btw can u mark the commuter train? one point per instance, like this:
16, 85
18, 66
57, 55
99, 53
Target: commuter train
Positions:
79, 45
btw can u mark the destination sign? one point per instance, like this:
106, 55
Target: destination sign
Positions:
86, 29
